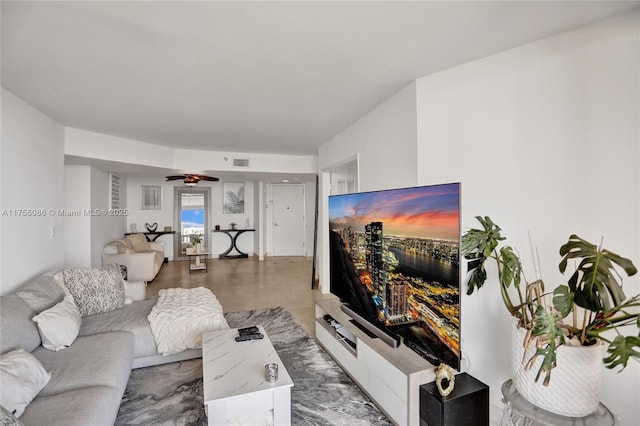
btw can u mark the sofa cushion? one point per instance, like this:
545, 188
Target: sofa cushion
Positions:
95, 290
100, 360
16, 327
94, 406
139, 242
59, 325
131, 318
41, 293
22, 377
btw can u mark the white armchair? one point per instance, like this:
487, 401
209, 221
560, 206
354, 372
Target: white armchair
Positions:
142, 258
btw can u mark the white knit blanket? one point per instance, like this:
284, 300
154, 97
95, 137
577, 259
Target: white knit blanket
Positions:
181, 315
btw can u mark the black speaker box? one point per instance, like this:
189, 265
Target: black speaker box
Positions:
467, 405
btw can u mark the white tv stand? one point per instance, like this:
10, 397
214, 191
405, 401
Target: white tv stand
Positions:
390, 376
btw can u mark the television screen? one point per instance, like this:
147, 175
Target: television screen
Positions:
394, 261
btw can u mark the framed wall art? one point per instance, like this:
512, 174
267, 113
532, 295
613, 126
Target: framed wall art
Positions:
150, 197
233, 198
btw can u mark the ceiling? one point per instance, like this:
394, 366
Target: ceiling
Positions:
264, 77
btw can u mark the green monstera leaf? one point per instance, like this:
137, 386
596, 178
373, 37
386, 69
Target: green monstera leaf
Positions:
547, 331
595, 281
510, 267
621, 349
563, 300
479, 245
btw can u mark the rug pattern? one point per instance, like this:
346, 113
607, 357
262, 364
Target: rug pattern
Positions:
171, 394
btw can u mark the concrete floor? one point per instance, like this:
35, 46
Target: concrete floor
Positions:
245, 284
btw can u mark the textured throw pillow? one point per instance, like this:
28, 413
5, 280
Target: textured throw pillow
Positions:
8, 419
22, 377
139, 242
96, 290
59, 326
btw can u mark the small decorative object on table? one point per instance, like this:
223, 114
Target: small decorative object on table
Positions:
271, 373
445, 372
133, 228
167, 229
233, 225
151, 227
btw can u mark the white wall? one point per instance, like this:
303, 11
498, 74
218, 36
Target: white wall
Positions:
32, 177
384, 141
164, 217
104, 227
544, 139
77, 198
82, 143
87, 190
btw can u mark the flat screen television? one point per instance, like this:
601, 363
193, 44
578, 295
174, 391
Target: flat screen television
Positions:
394, 257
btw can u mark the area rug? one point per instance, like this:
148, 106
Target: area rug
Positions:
171, 394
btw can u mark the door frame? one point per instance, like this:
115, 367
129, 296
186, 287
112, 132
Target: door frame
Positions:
177, 198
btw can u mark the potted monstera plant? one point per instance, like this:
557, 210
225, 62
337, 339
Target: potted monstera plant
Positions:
557, 330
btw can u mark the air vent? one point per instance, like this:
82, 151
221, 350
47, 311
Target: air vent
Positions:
240, 162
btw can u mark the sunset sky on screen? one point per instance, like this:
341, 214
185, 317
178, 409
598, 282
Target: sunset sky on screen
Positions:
426, 211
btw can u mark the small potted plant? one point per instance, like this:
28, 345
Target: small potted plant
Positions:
196, 240
585, 313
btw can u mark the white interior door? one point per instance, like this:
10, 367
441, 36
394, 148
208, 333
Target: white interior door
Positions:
288, 220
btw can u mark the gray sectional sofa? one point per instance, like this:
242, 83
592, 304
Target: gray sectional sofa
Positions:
88, 378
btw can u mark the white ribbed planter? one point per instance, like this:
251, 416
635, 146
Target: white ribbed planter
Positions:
574, 389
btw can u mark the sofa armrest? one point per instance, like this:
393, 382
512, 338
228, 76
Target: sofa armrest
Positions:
141, 266
157, 245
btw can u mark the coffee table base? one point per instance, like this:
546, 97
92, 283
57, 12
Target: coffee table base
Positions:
275, 403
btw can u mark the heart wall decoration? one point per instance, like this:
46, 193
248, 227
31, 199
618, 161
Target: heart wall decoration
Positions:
151, 228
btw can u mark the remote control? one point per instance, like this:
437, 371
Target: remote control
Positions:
246, 337
248, 330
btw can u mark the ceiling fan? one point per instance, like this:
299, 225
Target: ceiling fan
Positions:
192, 179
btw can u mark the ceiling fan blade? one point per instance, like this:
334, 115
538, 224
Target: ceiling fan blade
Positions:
209, 178
175, 177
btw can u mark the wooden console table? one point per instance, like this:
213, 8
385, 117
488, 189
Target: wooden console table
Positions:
233, 235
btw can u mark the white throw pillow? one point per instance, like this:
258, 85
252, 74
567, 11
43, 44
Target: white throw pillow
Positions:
59, 326
111, 248
22, 377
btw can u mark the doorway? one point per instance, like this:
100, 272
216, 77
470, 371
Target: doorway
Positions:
288, 222
191, 219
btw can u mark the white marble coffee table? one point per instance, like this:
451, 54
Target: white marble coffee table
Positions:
233, 378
